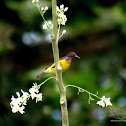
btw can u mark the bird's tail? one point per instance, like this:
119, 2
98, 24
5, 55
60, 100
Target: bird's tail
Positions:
39, 76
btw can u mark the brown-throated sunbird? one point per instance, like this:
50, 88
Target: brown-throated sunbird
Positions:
65, 63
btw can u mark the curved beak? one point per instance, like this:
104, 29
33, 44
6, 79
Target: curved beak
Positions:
76, 56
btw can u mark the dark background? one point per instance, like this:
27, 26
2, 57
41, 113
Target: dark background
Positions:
96, 31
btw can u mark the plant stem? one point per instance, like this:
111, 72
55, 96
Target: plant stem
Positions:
63, 101
83, 90
46, 81
58, 34
43, 17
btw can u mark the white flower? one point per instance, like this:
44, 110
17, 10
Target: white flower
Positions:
45, 26
101, 103
39, 97
33, 95
108, 102
13, 102
16, 101
33, 1
49, 22
64, 31
66, 8
104, 101
19, 100
46, 8
21, 109
42, 9
16, 105
57, 9
33, 90
48, 25
62, 7
18, 94
15, 108
25, 95
60, 13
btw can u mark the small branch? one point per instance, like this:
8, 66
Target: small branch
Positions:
83, 90
43, 17
46, 81
58, 34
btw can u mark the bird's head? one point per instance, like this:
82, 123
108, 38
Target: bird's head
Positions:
72, 55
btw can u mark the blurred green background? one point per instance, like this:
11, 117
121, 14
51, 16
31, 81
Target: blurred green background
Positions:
96, 31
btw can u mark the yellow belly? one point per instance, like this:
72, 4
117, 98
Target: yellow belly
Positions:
64, 64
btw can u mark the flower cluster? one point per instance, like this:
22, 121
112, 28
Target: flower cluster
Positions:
33, 1
60, 13
44, 9
104, 102
48, 25
17, 104
35, 93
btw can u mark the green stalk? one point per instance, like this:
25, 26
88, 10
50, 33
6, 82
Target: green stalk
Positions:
43, 17
83, 90
63, 101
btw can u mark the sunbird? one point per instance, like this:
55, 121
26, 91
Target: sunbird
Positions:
65, 63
